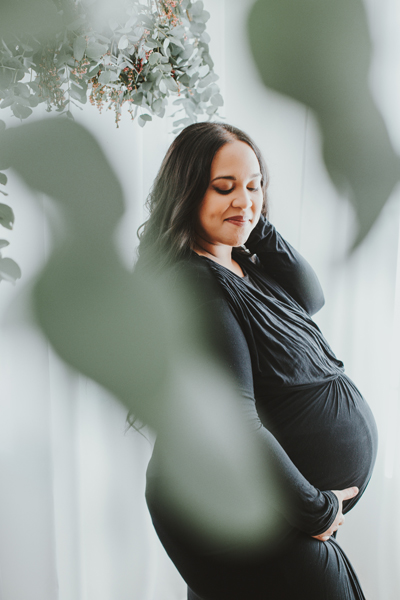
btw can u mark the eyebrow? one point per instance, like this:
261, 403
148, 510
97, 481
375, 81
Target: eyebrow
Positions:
231, 178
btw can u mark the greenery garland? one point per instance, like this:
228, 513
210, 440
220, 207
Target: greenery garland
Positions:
145, 54
142, 56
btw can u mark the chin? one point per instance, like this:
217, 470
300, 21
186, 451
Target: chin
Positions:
240, 241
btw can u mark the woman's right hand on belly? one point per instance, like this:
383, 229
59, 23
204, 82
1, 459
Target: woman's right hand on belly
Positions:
339, 519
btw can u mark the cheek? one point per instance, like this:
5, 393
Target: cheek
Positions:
209, 211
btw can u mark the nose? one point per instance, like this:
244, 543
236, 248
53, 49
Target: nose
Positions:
242, 198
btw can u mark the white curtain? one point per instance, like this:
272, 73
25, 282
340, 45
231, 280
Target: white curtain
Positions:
73, 521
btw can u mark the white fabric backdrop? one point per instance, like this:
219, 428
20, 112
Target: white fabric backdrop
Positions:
73, 522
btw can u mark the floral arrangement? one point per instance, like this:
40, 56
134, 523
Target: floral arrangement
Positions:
138, 58
141, 56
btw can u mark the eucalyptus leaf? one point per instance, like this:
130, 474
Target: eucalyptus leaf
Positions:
123, 42
197, 28
105, 77
20, 111
208, 60
34, 101
188, 51
95, 50
205, 38
203, 70
193, 79
211, 110
6, 77
4, 243
154, 58
21, 101
149, 43
147, 20
176, 41
166, 68
77, 95
180, 122
329, 72
7, 102
3, 178
156, 106
206, 95
79, 48
171, 84
185, 80
138, 98
9, 270
13, 63
2, 126
163, 86
208, 80
217, 100
196, 8
22, 90
6, 216
77, 87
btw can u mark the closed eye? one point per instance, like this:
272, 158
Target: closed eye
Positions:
225, 192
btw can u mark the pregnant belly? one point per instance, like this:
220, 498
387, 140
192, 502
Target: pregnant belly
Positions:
328, 431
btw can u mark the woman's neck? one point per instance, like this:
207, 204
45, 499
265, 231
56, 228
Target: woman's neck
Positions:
220, 254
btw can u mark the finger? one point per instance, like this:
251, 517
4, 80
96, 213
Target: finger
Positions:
349, 493
341, 521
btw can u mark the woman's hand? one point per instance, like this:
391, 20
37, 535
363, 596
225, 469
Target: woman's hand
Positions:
339, 520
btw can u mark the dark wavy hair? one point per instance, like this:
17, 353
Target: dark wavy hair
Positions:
179, 188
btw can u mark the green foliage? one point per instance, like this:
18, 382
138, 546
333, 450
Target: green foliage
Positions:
6, 216
141, 56
319, 53
9, 270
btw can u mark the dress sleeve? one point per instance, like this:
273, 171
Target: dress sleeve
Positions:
308, 509
286, 266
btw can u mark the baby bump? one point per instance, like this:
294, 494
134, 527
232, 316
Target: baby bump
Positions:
327, 429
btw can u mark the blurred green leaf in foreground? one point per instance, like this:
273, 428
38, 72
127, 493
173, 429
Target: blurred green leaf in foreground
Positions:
319, 53
33, 17
124, 331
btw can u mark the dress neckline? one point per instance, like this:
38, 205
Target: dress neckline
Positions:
214, 262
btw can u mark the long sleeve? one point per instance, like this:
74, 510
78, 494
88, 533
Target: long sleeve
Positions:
310, 509
286, 266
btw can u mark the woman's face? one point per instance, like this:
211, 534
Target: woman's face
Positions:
232, 204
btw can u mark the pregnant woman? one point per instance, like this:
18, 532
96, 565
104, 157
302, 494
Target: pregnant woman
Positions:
208, 216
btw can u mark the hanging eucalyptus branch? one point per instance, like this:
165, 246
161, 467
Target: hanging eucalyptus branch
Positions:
139, 58
145, 54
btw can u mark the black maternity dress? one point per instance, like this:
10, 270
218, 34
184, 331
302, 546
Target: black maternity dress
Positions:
316, 428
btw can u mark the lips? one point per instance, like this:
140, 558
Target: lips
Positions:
238, 220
